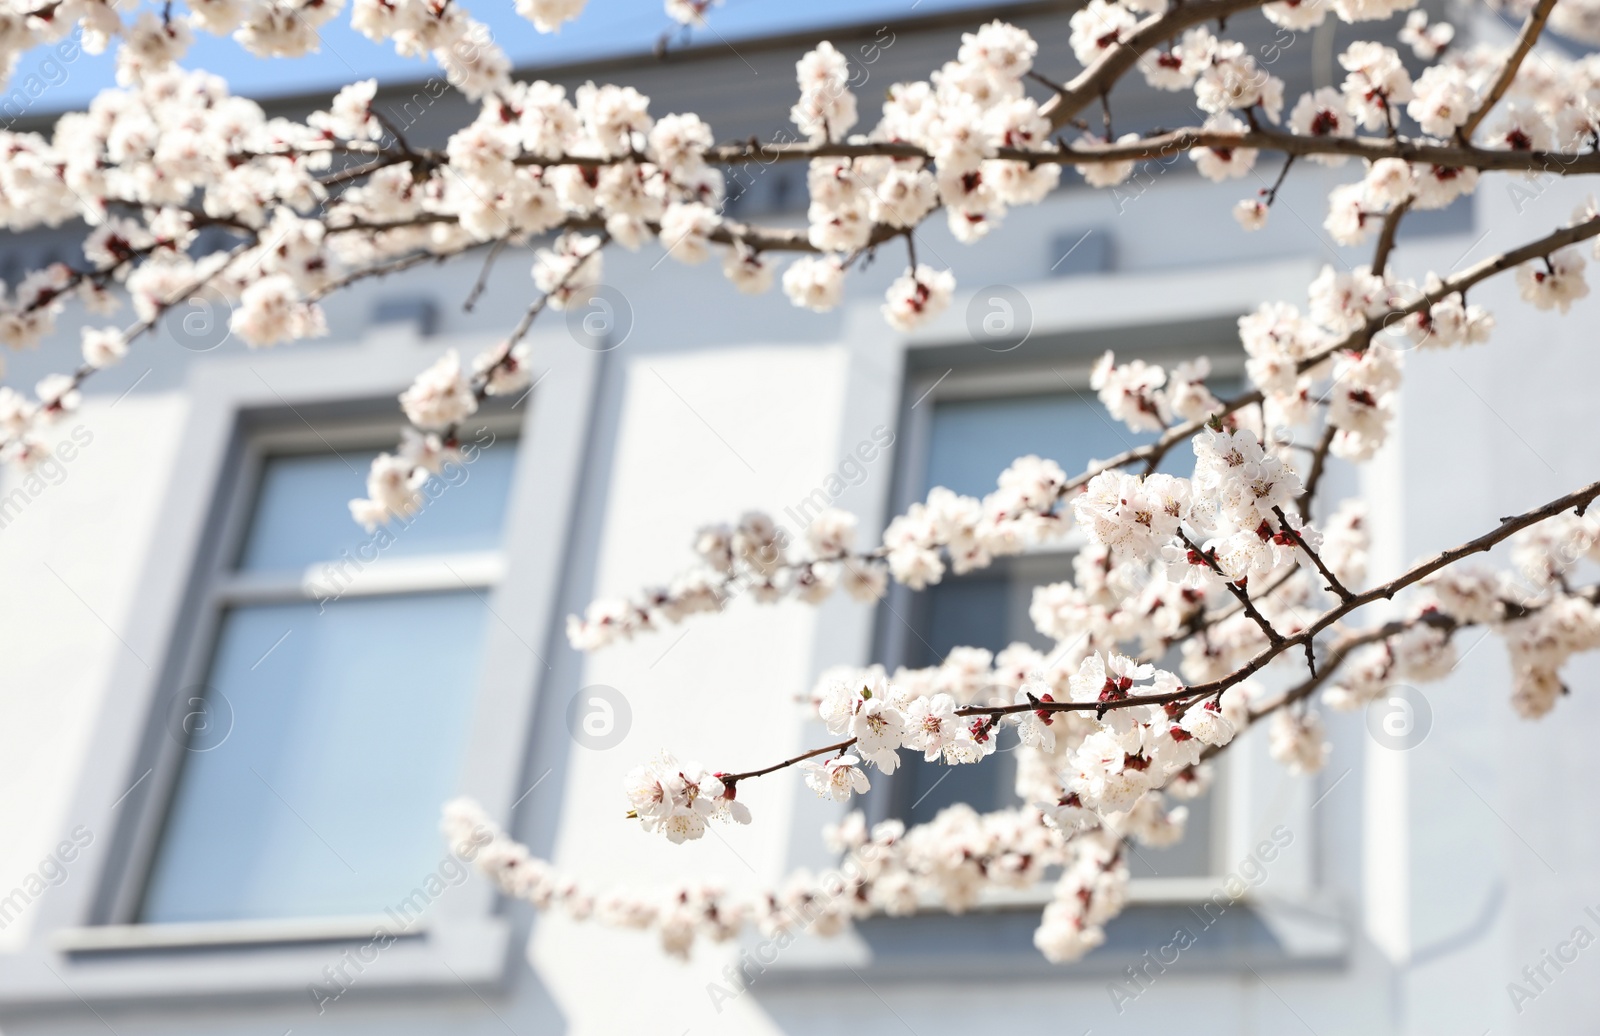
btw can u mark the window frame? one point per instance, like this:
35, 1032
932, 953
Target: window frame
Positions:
78, 946
224, 585
1073, 321
924, 391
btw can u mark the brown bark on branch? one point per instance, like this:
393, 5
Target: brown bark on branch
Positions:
1165, 145
1087, 87
1386, 237
1531, 29
1239, 593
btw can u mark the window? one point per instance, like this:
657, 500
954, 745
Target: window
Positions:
964, 432
333, 688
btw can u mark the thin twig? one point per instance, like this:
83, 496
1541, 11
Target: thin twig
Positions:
1054, 86
1531, 29
1271, 193
1319, 464
1239, 593
483, 274
1333, 581
1386, 236
734, 778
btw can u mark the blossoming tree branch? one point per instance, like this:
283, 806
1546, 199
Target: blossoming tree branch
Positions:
1235, 570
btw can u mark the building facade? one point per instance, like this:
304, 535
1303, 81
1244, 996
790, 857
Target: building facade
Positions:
231, 716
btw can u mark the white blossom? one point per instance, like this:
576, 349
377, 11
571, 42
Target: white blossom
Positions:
1555, 282
1297, 741
1251, 214
1323, 113
918, 296
1443, 100
837, 778
103, 347
814, 283
1426, 39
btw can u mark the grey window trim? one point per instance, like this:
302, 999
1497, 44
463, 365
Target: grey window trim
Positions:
1073, 321
221, 585
996, 945
76, 950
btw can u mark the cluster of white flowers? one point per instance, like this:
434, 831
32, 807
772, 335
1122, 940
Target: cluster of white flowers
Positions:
1449, 321
1291, 354
1426, 39
1361, 401
971, 532
395, 480
753, 557
962, 116
441, 396
1548, 108
954, 859
437, 402
826, 109
531, 162
1234, 500
535, 161
677, 799
1542, 621
1422, 651
1130, 515
1224, 75
152, 149
1089, 893
756, 556
1134, 750
1540, 645
1546, 623
1555, 282
1082, 769
920, 295
1298, 740
1134, 393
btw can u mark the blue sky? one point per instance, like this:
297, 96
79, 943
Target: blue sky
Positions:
606, 27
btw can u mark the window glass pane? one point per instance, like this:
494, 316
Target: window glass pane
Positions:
972, 441
976, 439
344, 737
922, 789
987, 609
302, 510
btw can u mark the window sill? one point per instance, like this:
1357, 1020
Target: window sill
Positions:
995, 941
1140, 891
136, 963
101, 938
